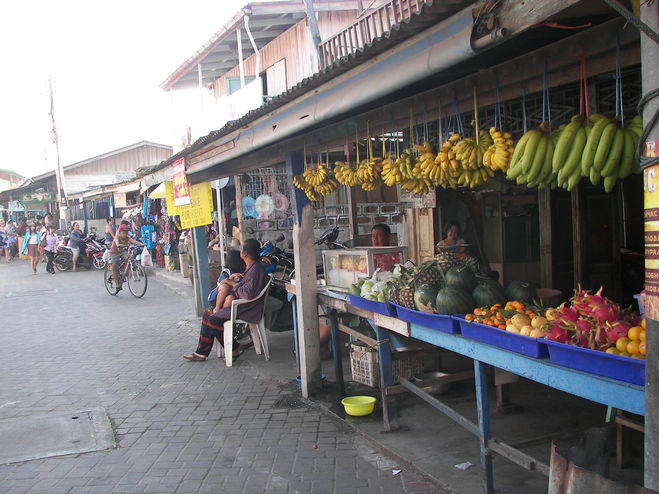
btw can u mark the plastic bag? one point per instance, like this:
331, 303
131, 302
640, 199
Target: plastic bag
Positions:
106, 256
146, 258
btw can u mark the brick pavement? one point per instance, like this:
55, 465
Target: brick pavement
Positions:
181, 427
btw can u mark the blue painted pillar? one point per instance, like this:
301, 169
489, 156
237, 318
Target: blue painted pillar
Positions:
483, 408
201, 275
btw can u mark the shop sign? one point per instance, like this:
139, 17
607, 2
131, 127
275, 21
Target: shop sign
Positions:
35, 197
651, 216
181, 186
172, 209
409, 200
200, 212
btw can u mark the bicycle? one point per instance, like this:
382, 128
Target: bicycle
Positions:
132, 272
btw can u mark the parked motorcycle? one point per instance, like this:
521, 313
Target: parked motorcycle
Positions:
91, 255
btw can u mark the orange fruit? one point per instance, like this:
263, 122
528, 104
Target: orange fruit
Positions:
633, 347
621, 344
642, 335
612, 350
641, 348
643, 323
634, 333
469, 317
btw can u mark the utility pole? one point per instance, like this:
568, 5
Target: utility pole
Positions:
59, 173
650, 84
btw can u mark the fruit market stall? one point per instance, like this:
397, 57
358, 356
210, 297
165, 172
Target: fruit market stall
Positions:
588, 346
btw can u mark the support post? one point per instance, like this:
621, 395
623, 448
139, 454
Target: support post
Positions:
483, 408
201, 277
546, 262
305, 282
650, 83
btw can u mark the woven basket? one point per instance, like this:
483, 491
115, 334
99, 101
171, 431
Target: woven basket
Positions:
365, 369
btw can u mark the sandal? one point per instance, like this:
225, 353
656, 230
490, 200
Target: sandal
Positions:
195, 358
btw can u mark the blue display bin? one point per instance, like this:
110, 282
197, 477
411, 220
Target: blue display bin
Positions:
531, 347
440, 322
384, 308
624, 369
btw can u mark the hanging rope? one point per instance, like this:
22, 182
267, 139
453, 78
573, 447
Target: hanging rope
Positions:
524, 121
583, 85
456, 112
498, 117
620, 110
440, 131
546, 107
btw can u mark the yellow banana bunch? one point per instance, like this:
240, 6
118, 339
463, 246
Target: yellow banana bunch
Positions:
327, 187
469, 153
449, 167
475, 178
417, 185
406, 163
301, 183
316, 174
391, 172
369, 170
498, 154
346, 174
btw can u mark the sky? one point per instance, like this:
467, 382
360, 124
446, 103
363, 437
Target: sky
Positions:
106, 60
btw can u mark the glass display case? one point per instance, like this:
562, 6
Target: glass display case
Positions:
342, 267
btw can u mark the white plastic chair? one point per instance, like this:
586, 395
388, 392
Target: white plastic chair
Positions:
257, 330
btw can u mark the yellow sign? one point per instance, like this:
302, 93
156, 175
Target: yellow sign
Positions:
199, 212
172, 209
651, 199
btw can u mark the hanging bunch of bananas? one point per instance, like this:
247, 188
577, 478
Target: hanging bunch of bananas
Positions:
406, 162
346, 173
531, 162
391, 172
327, 187
470, 151
475, 178
566, 161
609, 151
498, 154
417, 184
449, 167
369, 173
316, 175
301, 183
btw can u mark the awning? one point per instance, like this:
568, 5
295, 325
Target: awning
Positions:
158, 192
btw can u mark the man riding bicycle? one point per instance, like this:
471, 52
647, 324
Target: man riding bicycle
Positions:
118, 253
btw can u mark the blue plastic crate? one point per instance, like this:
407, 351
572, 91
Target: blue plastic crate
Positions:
531, 347
440, 322
384, 308
629, 370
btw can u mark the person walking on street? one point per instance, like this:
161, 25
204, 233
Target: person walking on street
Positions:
74, 243
12, 235
49, 245
31, 246
5, 247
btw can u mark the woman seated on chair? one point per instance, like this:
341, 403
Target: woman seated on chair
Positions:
238, 286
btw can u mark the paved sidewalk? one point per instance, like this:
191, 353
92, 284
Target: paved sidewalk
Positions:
180, 427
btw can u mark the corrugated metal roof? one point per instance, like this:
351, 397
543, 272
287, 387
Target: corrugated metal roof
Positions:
430, 14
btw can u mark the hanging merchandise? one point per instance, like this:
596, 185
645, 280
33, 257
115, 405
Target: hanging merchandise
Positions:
498, 154
609, 150
316, 181
369, 170
531, 162
414, 180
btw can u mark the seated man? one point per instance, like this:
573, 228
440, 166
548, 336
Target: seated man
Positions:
380, 235
238, 286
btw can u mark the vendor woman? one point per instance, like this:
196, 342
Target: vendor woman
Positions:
453, 238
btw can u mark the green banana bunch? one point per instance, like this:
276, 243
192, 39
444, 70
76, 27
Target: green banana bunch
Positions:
566, 162
531, 162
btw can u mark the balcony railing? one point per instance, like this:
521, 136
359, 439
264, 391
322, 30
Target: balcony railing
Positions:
369, 27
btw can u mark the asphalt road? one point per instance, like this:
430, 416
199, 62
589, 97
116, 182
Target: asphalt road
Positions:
179, 426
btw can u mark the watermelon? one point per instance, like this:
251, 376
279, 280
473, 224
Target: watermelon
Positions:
451, 300
488, 292
461, 277
425, 297
523, 291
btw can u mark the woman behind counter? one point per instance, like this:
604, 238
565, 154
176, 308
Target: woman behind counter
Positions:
453, 238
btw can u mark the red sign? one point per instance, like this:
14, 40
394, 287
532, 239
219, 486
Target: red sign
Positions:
180, 182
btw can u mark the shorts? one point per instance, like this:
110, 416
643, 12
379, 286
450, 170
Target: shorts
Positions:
116, 258
75, 251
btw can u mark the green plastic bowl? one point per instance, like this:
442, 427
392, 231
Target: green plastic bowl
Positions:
358, 406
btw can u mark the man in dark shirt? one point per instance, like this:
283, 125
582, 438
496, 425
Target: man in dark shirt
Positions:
245, 286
